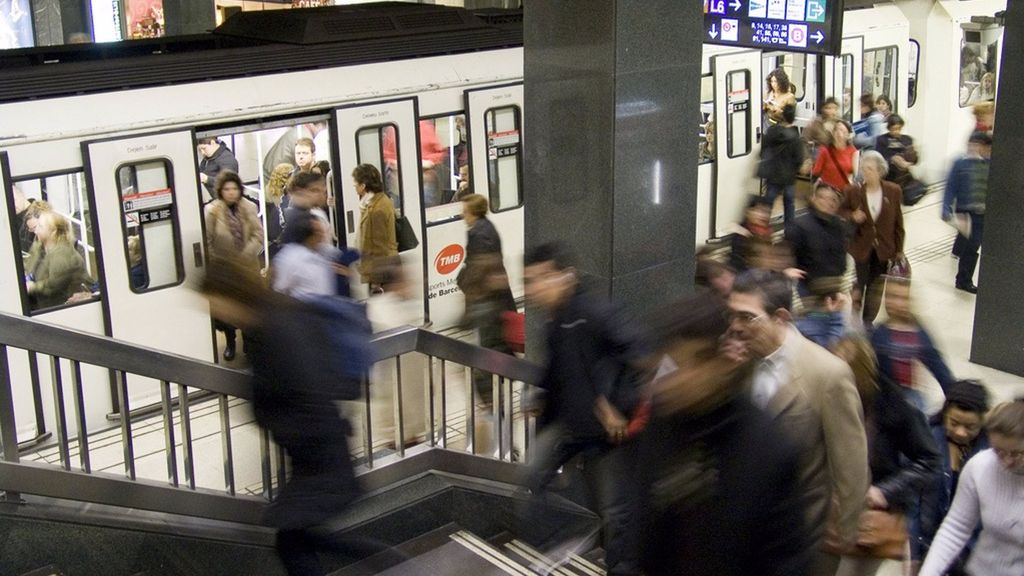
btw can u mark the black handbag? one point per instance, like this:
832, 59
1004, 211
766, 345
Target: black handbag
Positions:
404, 234
913, 191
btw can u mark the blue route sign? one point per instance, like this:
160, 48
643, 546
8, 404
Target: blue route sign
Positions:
811, 26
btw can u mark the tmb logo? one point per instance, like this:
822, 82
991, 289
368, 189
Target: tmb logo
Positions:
449, 259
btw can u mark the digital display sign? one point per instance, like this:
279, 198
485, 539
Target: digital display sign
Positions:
812, 26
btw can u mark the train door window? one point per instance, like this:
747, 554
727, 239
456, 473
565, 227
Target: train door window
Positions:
706, 151
151, 232
848, 95
915, 63
504, 157
65, 195
444, 154
881, 67
737, 118
378, 145
795, 67
978, 56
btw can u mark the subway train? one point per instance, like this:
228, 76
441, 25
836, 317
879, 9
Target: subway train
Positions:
432, 95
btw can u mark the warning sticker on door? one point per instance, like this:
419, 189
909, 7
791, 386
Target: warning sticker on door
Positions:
147, 200
502, 144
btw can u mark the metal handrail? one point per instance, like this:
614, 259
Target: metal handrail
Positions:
182, 495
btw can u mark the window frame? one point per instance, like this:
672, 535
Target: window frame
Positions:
19, 261
398, 156
518, 112
894, 98
469, 147
916, 67
729, 147
179, 260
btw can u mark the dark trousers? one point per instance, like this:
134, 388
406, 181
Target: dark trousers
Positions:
788, 203
609, 472
969, 251
871, 285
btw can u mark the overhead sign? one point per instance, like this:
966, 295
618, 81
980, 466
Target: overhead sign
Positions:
812, 26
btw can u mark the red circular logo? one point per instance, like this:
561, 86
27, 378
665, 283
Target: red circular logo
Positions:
449, 259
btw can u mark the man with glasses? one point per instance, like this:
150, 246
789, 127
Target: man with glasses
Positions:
811, 394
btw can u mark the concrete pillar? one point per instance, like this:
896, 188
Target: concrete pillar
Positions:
610, 166
189, 17
999, 315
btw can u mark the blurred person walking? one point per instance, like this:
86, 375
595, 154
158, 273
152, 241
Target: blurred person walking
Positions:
835, 162
233, 230
990, 494
959, 434
720, 490
819, 238
782, 157
811, 395
963, 206
592, 386
903, 460
875, 209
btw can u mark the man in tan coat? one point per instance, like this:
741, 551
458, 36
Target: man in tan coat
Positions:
811, 394
377, 238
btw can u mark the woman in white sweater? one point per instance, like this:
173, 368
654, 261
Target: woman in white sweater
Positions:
991, 492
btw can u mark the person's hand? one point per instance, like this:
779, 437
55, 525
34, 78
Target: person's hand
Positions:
900, 162
794, 273
342, 270
734, 349
615, 424
858, 216
875, 500
203, 178
30, 286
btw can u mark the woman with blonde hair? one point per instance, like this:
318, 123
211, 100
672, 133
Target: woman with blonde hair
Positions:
59, 270
276, 194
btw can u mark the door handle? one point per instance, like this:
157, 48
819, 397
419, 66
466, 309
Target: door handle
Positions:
757, 132
350, 221
197, 253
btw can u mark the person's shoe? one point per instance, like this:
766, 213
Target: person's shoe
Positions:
229, 351
969, 288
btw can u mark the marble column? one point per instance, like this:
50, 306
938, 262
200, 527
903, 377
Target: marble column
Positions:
189, 17
610, 151
999, 314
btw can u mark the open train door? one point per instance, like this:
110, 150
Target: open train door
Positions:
494, 119
844, 77
383, 134
144, 190
738, 85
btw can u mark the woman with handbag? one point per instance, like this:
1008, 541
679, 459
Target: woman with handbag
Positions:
902, 457
898, 150
873, 207
834, 163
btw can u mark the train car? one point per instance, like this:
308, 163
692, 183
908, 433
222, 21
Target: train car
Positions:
432, 95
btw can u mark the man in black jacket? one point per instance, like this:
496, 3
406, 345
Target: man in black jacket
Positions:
216, 159
592, 387
819, 238
721, 493
782, 155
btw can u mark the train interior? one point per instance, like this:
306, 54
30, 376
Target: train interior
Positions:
440, 461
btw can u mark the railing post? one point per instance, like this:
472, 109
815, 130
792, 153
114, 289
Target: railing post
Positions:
8, 426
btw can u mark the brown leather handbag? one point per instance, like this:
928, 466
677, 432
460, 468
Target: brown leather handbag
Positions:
881, 534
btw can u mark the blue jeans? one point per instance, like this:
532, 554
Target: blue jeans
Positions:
609, 473
788, 193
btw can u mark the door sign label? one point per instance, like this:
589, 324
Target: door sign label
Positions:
147, 200
813, 26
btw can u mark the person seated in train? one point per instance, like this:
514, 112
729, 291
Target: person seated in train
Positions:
233, 230
835, 162
884, 106
59, 271
36, 209
377, 236
137, 273
778, 96
21, 206
871, 126
217, 157
819, 131
707, 146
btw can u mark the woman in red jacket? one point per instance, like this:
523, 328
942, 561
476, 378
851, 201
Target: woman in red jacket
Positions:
834, 163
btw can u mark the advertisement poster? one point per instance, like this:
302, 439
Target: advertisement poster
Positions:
16, 24
145, 18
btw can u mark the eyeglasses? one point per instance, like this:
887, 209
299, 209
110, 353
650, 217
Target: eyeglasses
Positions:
746, 318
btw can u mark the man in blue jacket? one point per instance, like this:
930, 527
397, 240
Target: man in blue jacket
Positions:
964, 205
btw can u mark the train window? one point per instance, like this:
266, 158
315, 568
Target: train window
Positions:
979, 51
65, 195
848, 95
915, 63
151, 235
737, 116
504, 157
881, 67
795, 67
378, 145
706, 151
